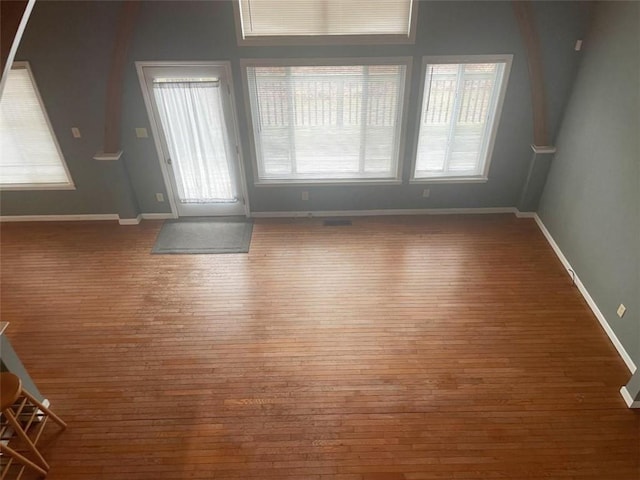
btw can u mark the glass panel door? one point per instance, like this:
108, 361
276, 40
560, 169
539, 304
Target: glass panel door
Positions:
193, 112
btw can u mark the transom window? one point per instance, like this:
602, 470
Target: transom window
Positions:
320, 21
460, 111
326, 122
31, 157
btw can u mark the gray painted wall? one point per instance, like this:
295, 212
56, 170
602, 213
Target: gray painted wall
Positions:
591, 202
68, 45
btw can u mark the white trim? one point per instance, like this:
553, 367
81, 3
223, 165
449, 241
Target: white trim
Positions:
319, 183
306, 40
156, 128
87, 217
520, 214
382, 212
59, 218
583, 290
405, 61
70, 185
461, 179
36, 186
16, 41
543, 149
108, 157
157, 216
130, 221
507, 60
631, 403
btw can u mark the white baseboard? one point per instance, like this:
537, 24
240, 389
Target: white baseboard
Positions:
130, 221
395, 211
520, 214
86, 217
583, 290
631, 403
59, 218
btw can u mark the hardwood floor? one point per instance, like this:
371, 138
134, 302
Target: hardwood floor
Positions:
397, 348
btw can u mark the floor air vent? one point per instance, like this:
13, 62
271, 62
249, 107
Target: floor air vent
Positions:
336, 222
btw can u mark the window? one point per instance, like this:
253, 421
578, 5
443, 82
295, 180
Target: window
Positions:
325, 21
326, 122
460, 111
31, 158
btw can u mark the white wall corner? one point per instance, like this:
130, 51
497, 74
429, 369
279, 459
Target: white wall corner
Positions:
520, 214
130, 221
583, 290
631, 403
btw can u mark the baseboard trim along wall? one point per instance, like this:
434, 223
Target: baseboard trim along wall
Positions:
583, 290
59, 218
86, 218
628, 399
382, 212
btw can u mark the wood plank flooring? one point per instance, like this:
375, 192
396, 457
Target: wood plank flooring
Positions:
399, 348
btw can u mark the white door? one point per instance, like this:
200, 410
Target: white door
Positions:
191, 108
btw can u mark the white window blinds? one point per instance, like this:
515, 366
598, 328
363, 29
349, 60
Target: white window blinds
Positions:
29, 152
325, 17
457, 119
326, 122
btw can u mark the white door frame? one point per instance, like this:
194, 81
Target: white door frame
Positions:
156, 129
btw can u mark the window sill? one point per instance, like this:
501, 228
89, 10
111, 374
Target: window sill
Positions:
36, 186
449, 180
325, 182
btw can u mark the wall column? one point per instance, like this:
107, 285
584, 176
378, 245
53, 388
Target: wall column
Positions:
538, 170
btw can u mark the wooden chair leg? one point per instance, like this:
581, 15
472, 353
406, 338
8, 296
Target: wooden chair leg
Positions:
45, 409
22, 459
11, 419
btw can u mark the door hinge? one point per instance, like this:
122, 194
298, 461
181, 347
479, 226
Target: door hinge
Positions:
229, 90
237, 150
168, 161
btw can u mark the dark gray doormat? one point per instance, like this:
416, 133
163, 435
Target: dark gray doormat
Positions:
204, 235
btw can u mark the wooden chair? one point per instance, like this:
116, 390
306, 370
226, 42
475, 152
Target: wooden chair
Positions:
24, 419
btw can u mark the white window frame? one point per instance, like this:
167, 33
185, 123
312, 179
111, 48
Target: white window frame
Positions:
396, 179
507, 59
291, 40
41, 186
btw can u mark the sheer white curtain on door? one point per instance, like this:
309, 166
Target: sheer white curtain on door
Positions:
193, 123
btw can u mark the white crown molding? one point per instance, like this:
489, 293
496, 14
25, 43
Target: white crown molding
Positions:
583, 290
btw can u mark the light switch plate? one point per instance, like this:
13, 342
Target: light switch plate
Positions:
142, 133
75, 131
621, 310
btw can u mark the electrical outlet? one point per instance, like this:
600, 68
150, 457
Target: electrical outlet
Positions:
75, 131
142, 133
305, 196
159, 197
621, 310
578, 45
426, 193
